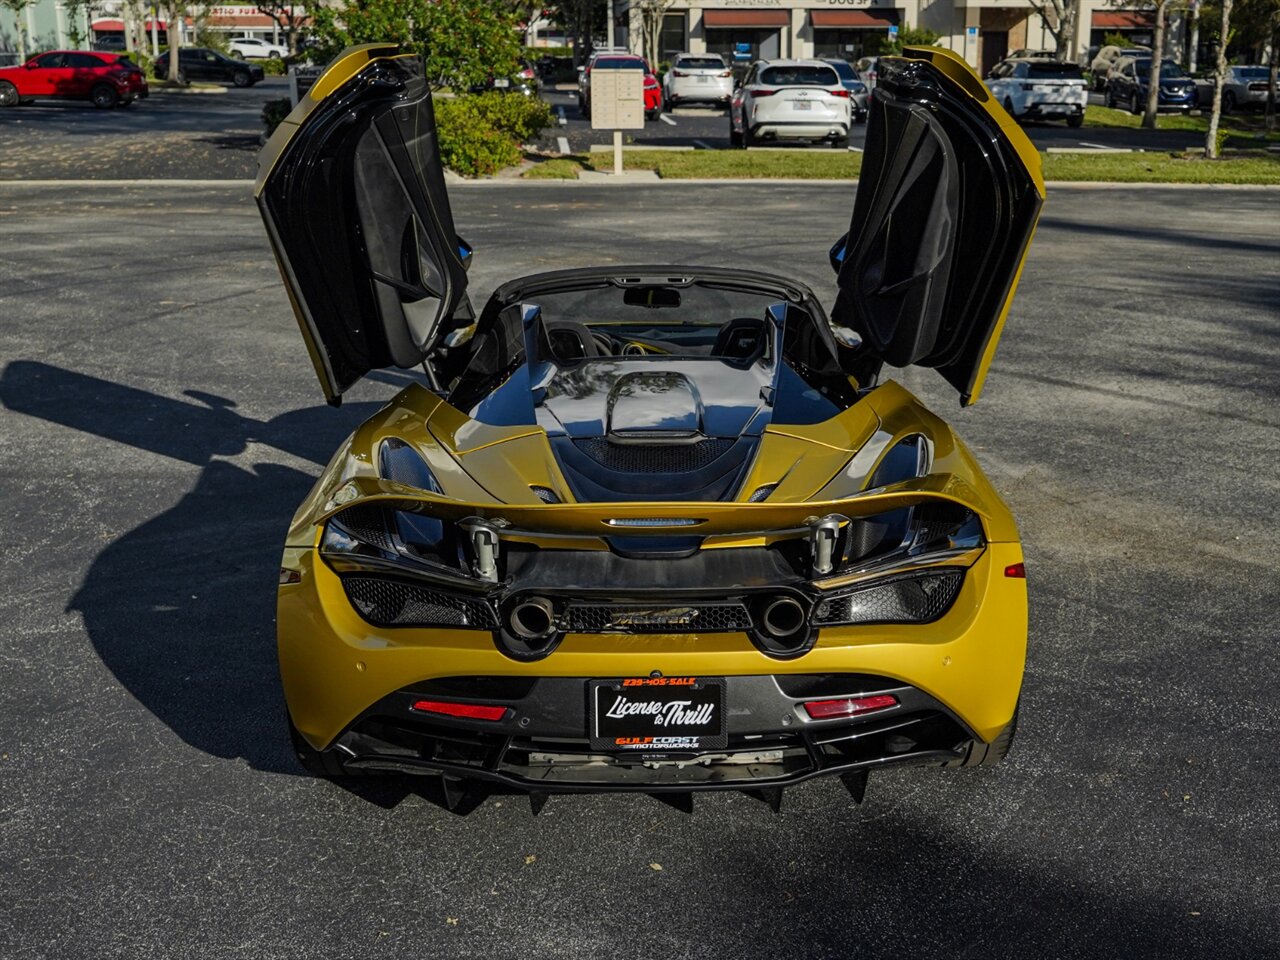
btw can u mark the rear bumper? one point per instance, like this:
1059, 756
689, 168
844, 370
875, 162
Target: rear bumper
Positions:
541, 745
800, 129
337, 669
684, 92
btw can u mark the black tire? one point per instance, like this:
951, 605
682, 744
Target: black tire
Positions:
1111, 101
273, 55
241, 78
748, 136
1076, 121
1228, 102
103, 96
735, 138
182, 76
9, 96
1134, 106
979, 754
318, 763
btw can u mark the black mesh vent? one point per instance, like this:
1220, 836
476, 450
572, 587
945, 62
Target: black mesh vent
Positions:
545, 494
639, 618
653, 458
762, 492
917, 598
368, 524
393, 603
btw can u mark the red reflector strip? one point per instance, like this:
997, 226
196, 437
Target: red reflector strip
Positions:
468, 711
829, 709
1016, 570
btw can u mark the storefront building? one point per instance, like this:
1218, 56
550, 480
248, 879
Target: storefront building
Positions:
982, 32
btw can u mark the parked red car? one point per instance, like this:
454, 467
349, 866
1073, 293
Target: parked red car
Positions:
105, 79
652, 90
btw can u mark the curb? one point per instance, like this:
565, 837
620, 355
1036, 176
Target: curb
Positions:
189, 91
608, 181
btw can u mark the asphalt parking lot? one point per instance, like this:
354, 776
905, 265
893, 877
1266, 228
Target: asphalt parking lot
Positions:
159, 421
217, 136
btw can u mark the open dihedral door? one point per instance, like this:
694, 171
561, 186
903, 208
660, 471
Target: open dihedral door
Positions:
947, 201
352, 191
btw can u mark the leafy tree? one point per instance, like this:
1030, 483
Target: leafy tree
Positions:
18, 8
1059, 18
908, 36
1212, 145
652, 13
1157, 62
288, 16
463, 42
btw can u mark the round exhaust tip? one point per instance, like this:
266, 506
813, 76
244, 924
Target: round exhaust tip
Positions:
783, 618
532, 619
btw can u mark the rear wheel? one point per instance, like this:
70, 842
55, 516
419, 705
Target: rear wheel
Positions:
748, 137
735, 137
241, 78
1228, 101
1077, 120
979, 754
9, 96
320, 763
1134, 106
103, 97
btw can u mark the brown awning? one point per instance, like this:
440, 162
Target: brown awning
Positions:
746, 18
1123, 19
853, 18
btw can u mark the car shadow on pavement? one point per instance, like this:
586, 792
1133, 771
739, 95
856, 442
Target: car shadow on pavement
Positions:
181, 608
232, 141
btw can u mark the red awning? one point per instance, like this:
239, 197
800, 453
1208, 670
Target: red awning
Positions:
853, 18
746, 18
1123, 19
107, 25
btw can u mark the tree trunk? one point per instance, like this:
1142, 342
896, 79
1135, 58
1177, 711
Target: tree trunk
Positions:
1219, 78
1066, 31
174, 33
1157, 59
1275, 78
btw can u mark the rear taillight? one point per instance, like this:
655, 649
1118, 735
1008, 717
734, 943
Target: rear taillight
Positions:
763, 93
1017, 571
650, 81
842, 92
727, 73
850, 707
467, 711
677, 73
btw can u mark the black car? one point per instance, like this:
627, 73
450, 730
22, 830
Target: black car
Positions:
200, 63
1127, 87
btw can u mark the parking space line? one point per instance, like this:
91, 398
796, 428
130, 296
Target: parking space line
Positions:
700, 144
665, 119
562, 143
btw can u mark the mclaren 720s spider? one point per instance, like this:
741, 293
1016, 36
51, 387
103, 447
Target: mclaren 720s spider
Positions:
653, 528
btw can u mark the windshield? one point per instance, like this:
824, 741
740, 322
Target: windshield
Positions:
1061, 71
1168, 70
843, 70
700, 63
799, 76
1251, 73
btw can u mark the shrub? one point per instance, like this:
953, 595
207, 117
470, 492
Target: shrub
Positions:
274, 67
481, 134
274, 112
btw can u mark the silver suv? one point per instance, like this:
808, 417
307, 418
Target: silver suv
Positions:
792, 100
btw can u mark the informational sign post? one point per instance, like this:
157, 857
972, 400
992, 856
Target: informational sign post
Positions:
617, 104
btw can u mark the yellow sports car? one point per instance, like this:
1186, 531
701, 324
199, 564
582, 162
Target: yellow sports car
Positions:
655, 528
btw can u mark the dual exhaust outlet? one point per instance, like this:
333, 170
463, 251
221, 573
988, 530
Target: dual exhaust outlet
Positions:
781, 624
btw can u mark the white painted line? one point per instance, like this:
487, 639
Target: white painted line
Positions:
665, 119
562, 143
853, 149
700, 145
560, 111
1086, 143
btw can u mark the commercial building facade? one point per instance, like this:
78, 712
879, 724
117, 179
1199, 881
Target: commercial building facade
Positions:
982, 32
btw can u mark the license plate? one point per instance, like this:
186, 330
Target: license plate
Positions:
704, 79
658, 714
801, 105
501, 82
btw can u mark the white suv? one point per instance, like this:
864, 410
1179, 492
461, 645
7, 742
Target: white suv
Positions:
789, 99
1036, 89
251, 48
697, 78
